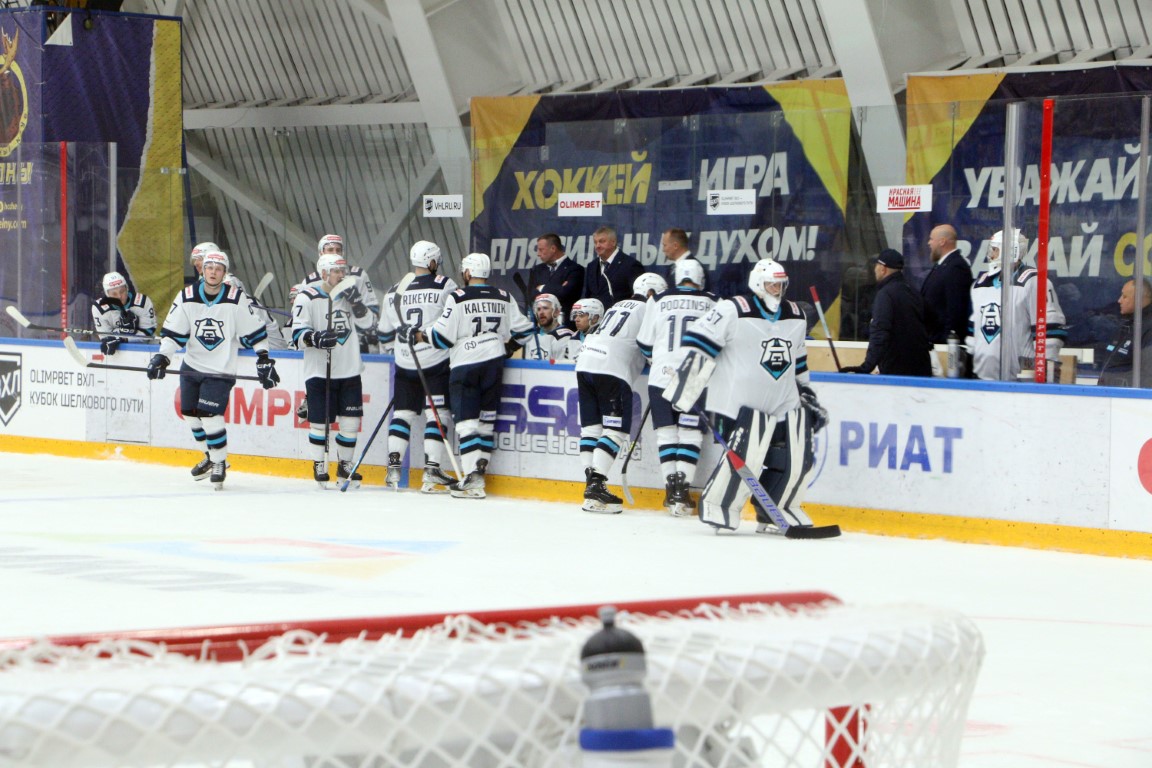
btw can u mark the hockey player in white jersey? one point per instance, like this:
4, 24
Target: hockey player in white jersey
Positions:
480, 326
211, 320
586, 315
985, 329
550, 341
749, 352
609, 363
324, 329
420, 306
196, 259
121, 312
679, 435
362, 297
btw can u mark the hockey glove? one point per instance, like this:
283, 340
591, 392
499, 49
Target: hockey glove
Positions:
689, 381
158, 366
511, 348
406, 334
109, 345
321, 339
817, 414
266, 370
358, 308
129, 322
302, 410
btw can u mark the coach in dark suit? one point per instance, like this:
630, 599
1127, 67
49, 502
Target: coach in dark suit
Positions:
897, 339
555, 274
610, 275
947, 289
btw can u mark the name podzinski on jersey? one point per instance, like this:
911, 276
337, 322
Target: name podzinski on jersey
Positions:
700, 305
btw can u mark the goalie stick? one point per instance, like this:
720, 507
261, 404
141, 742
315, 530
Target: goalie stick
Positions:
789, 530
19, 317
367, 445
628, 455
401, 287
824, 322
523, 286
84, 362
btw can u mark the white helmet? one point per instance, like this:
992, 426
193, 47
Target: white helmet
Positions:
649, 281
997, 241
768, 272
549, 299
329, 261
594, 308
200, 249
477, 265
294, 291
424, 253
330, 240
112, 281
216, 256
690, 270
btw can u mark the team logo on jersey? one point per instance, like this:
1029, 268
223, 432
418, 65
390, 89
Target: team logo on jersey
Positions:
341, 325
209, 332
776, 356
10, 385
990, 321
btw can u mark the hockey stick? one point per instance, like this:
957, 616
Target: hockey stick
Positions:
400, 288
19, 317
79, 357
367, 445
523, 286
824, 322
628, 455
273, 310
789, 530
263, 285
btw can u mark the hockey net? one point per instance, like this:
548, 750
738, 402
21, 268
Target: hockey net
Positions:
761, 680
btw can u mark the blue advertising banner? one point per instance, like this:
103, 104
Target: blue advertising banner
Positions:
654, 157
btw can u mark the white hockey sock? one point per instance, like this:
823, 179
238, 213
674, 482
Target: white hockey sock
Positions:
588, 439
400, 431
348, 428
216, 435
666, 439
607, 449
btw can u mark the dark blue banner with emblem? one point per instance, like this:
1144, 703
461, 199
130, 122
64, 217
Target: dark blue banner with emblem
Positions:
655, 156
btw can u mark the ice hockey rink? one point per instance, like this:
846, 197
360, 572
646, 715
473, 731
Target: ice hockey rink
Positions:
94, 546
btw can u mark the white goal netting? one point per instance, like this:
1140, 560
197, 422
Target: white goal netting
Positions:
757, 681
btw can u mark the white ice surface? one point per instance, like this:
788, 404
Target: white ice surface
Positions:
88, 546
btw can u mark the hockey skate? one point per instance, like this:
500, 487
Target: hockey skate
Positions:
472, 486
682, 504
203, 469
435, 480
320, 473
219, 472
597, 497
345, 471
392, 479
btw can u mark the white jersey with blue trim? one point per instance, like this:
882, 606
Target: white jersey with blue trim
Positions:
211, 329
476, 324
665, 320
422, 303
310, 313
611, 347
548, 345
760, 356
987, 322
107, 315
363, 285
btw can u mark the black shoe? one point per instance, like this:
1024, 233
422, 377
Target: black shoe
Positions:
670, 491
392, 478
219, 472
597, 497
203, 469
682, 504
320, 472
344, 471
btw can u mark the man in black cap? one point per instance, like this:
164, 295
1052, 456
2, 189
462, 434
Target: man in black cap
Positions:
897, 338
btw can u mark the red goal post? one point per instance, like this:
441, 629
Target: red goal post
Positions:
792, 679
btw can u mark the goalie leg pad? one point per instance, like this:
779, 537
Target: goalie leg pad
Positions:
725, 492
689, 381
788, 465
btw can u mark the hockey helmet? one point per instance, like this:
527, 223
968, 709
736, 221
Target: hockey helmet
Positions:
767, 273
330, 261
690, 270
995, 244
113, 281
649, 283
335, 242
215, 256
477, 265
424, 253
593, 308
549, 299
200, 249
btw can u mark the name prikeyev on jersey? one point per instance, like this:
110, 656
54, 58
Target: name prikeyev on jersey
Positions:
310, 313
211, 329
477, 322
422, 303
766, 355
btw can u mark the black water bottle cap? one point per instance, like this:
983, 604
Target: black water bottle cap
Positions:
610, 639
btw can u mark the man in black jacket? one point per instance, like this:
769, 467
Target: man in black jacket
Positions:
1117, 370
610, 275
897, 339
947, 288
555, 274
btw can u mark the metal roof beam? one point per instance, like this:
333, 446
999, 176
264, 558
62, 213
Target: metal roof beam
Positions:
304, 116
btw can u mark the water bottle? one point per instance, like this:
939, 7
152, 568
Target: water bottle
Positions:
954, 364
618, 729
